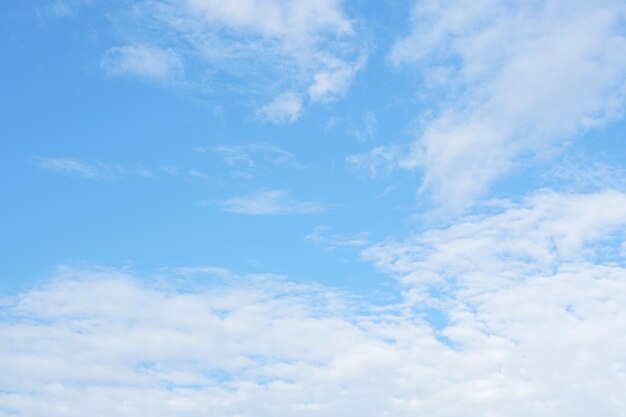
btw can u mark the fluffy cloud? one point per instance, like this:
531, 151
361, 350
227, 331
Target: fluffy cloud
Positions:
285, 50
515, 79
105, 342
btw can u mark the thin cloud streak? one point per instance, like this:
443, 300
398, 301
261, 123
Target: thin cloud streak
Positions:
90, 170
270, 202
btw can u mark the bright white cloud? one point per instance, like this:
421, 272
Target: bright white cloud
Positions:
518, 79
548, 343
268, 202
93, 170
149, 62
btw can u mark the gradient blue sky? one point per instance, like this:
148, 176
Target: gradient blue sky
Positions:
326, 207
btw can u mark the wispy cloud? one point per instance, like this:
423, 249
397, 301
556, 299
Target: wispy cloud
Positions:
247, 160
149, 62
546, 232
311, 50
364, 129
321, 236
268, 202
62, 8
92, 170
379, 161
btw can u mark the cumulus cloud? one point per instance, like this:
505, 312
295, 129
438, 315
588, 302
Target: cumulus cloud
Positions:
268, 202
148, 62
516, 80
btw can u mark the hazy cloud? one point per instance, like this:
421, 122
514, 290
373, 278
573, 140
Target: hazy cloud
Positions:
268, 202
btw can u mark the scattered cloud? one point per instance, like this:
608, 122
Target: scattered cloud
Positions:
379, 161
547, 232
281, 51
286, 108
193, 173
92, 170
321, 236
268, 202
587, 176
334, 82
366, 129
246, 160
516, 80
170, 169
148, 62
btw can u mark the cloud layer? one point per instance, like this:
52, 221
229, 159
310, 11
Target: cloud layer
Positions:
528, 320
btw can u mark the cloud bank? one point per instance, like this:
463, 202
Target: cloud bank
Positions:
528, 320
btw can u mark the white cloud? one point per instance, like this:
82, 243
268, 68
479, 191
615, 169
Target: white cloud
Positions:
518, 80
587, 176
268, 202
105, 342
149, 62
547, 232
258, 47
285, 108
93, 170
334, 82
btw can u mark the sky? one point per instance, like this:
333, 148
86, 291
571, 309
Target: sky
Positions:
272, 208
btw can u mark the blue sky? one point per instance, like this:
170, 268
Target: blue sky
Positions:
326, 208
